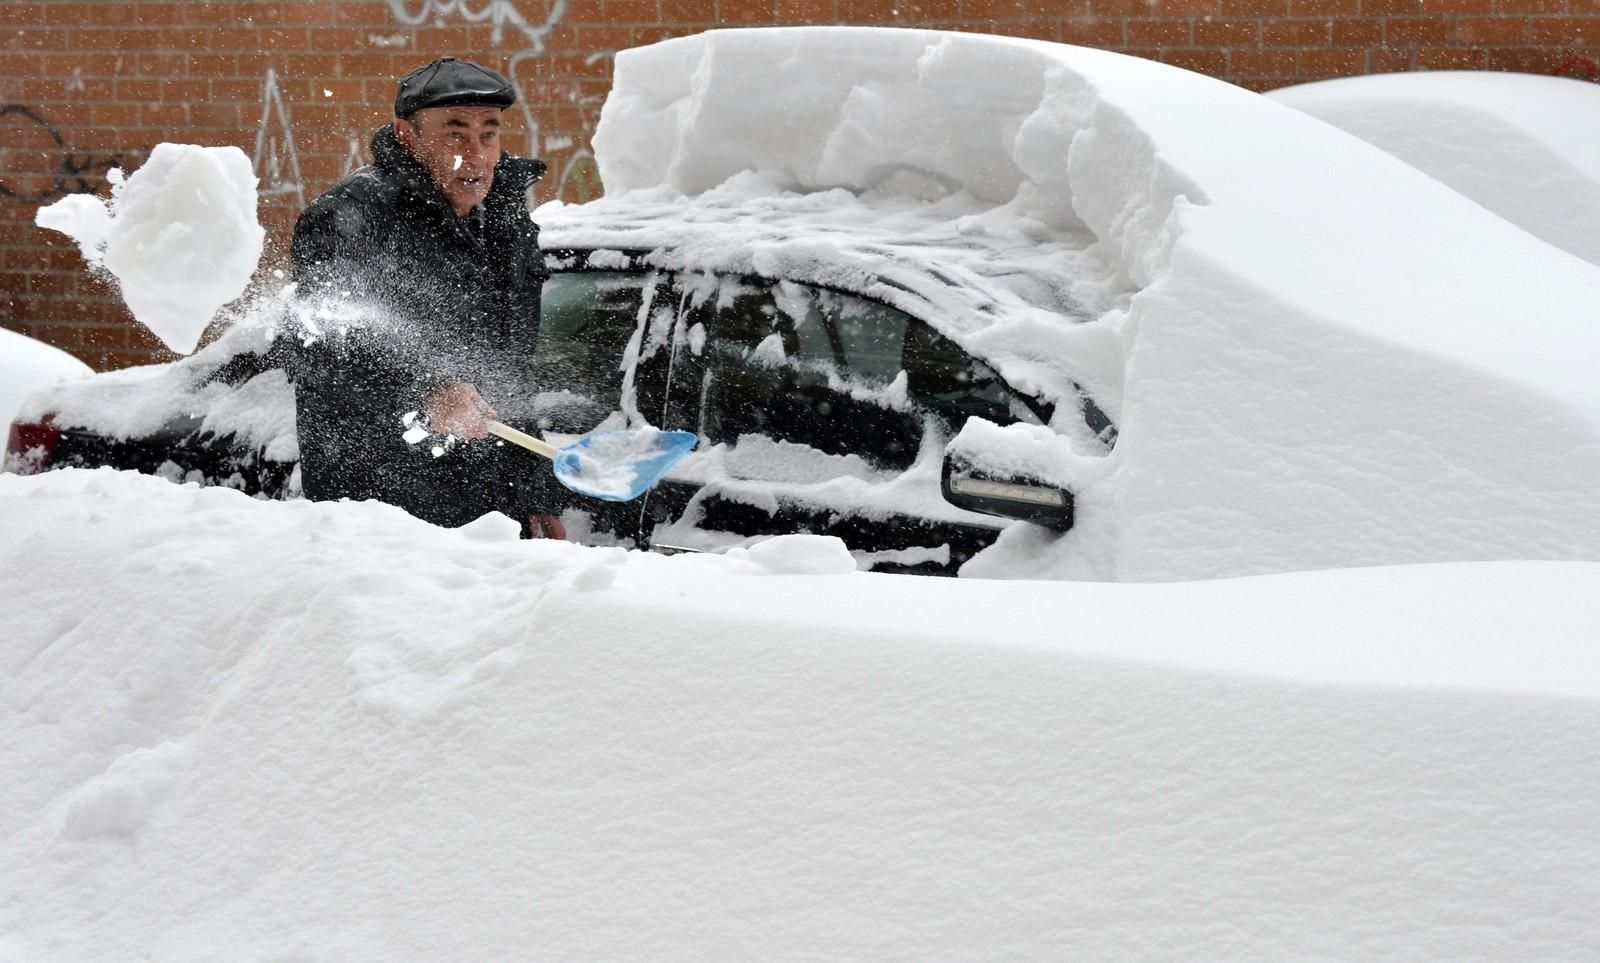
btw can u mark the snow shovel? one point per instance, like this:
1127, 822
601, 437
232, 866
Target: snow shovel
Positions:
617, 466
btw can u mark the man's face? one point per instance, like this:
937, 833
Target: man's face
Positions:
458, 146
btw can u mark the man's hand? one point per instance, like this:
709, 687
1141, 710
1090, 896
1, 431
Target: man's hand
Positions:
456, 408
547, 526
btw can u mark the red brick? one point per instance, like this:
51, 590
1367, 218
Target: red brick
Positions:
1357, 33
22, 14
1399, 31
1092, 32
1295, 33
1331, 63
993, 9
1212, 62
1227, 33
1492, 30
1391, 8
807, 11
1159, 33
1524, 61
1565, 30
1255, 8
1450, 58
1261, 63
1389, 61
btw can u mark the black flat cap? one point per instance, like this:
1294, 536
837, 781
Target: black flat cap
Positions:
449, 82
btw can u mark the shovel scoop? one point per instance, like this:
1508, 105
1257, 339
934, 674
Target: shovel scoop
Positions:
617, 466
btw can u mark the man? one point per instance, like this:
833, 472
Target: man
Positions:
418, 278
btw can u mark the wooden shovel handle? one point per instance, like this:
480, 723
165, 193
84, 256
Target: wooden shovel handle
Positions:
516, 437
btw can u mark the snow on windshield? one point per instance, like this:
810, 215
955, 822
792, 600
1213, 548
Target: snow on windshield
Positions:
1524, 146
1331, 358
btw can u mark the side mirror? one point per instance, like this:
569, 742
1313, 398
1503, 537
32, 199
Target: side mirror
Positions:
1025, 499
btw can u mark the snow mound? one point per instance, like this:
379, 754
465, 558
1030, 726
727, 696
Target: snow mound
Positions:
1328, 358
180, 235
27, 366
1526, 147
799, 555
328, 731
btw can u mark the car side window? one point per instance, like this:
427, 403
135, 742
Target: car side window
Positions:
587, 319
835, 372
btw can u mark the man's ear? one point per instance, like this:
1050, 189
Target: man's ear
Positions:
406, 133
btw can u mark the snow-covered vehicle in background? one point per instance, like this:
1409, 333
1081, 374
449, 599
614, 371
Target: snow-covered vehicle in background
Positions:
27, 365
1011, 308
1525, 146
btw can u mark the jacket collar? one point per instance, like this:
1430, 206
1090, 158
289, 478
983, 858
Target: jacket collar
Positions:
512, 175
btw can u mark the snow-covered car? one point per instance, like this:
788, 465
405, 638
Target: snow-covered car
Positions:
28, 365
822, 408
1004, 307
1525, 146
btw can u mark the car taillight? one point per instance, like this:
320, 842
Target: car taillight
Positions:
29, 445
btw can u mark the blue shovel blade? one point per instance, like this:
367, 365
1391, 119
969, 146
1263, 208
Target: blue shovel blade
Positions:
619, 466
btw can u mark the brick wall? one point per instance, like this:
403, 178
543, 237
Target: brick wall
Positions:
86, 85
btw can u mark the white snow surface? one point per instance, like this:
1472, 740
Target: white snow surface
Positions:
28, 365
327, 731
139, 401
180, 235
1525, 146
1317, 355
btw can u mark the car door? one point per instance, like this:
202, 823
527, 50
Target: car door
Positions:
822, 412
601, 363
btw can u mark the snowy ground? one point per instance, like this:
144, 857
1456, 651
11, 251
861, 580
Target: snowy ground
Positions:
331, 732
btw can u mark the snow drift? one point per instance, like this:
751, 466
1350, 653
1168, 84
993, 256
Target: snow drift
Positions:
331, 732
1331, 360
1524, 146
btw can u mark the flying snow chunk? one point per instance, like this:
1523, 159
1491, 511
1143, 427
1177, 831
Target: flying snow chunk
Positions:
182, 238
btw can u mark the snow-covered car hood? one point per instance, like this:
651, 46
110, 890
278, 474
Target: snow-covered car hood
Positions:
1328, 358
1526, 147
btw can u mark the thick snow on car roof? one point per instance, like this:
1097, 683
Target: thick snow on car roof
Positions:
1331, 358
1526, 147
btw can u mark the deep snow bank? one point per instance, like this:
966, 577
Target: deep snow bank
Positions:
1333, 360
1524, 146
331, 732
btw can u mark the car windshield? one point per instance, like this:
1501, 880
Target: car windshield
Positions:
586, 322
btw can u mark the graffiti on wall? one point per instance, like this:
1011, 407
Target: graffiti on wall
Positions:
1580, 67
277, 163
36, 164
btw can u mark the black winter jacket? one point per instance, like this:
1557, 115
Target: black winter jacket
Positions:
398, 295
